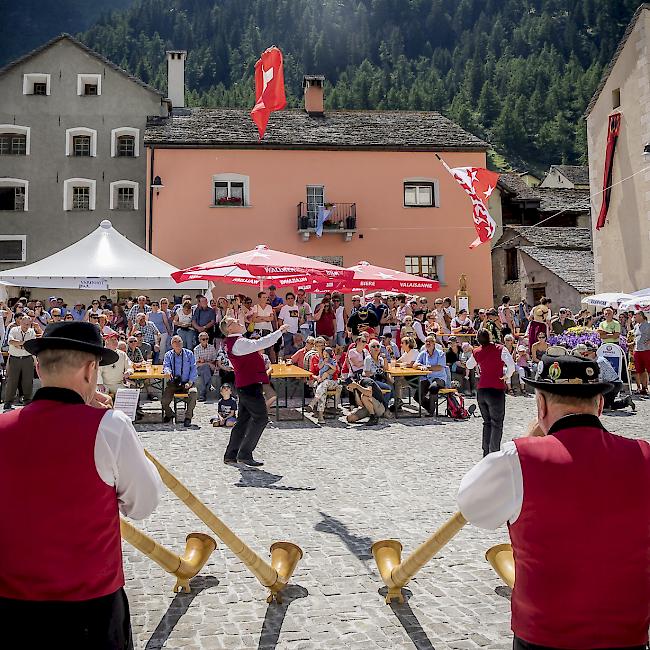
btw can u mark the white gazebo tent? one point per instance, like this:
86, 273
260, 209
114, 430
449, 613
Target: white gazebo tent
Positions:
105, 259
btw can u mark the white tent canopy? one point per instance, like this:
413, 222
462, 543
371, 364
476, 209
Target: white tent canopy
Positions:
104, 259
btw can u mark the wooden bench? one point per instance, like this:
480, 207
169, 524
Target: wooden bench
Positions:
179, 398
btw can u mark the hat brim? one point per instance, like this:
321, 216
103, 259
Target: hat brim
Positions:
571, 390
35, 346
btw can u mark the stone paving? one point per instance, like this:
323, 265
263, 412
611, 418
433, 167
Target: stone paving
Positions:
333, 490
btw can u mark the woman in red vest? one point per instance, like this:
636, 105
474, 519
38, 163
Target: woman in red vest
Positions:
576, 499
497, 365
67, 469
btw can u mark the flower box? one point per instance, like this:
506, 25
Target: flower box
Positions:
229, 201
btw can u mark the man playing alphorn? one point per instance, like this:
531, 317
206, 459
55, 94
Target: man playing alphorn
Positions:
577, 502
67, 467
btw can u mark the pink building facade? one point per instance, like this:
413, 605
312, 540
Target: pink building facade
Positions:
390, 200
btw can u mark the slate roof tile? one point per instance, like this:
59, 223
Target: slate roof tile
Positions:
576, 268
561, 238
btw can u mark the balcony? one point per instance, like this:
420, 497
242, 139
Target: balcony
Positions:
342, 219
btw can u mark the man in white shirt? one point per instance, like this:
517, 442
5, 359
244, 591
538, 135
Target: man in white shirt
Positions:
289, 315
112, 376
69, 468
341, 318
20, 366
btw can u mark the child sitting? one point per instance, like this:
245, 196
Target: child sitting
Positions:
407, 329
226, 408
327, 365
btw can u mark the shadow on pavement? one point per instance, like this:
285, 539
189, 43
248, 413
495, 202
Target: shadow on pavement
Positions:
177, 608
258, 478
359, 546
275, 614
409, 621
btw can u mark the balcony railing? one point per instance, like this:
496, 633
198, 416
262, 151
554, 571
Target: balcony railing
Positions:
342, 219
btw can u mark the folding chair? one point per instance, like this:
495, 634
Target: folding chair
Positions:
618, 360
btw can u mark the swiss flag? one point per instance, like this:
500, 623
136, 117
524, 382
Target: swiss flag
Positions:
479, 183
269, 88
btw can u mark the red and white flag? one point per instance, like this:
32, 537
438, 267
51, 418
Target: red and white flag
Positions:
479, 183
269, 88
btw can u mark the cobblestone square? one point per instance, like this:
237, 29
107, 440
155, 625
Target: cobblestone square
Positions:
333, 490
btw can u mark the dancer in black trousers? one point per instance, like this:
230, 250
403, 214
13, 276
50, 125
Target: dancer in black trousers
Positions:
250, 374
491, 359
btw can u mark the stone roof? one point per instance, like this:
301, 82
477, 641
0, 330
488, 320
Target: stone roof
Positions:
560, 237
87, 50
550, 199
577, 174
575, 268
617, 53
230, 127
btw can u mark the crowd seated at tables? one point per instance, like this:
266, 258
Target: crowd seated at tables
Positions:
353, 347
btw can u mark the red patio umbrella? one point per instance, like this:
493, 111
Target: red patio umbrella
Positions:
368, 277
261, 264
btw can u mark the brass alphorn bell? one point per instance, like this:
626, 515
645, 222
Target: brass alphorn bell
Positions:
503, 562
198, 549
284, 555
396, 573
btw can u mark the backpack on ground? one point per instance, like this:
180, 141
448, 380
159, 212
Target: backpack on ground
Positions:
456, 407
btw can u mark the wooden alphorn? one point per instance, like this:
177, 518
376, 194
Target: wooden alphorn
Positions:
284, 555
396, 573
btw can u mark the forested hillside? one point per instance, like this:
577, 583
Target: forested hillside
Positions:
517, 72
26, 24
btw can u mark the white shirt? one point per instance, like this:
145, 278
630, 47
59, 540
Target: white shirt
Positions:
121, 463
409, 357
243, 346
289, 316
492, 492
506, 357
340, 323
16, 334
113, 374
263, 311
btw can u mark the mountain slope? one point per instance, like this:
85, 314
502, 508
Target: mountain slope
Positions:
516, 72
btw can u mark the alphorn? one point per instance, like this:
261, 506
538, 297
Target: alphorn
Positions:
197, 551
503, 562
284, 555
396, 573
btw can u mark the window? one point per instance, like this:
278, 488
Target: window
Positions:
124, 195
36, 84
12, 248
315, 198
81, 141
81, 145
512, 265
616, 98
14, 140
230, 190
420, 193
125, 142
79, 194
89, 85
13, 144
428, 266
126, 146
13, 194
81, 198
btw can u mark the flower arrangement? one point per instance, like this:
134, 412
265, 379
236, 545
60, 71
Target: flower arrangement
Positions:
576, 335
229, 200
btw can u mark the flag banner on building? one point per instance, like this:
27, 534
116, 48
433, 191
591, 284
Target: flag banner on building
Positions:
269, 88
323, 215
612, 139
479, 183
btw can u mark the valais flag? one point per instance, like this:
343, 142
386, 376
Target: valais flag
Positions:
269, 88
479, 183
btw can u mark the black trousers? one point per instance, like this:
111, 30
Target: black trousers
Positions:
492, 404
252, 418
610, 397
98, 624
520, 644
427, 393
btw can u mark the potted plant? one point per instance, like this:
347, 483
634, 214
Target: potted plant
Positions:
303, 222
351, 222
229, 200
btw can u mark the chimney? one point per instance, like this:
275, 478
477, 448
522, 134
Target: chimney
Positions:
176, 77
313, 87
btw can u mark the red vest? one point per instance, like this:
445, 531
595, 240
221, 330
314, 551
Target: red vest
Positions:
582, 540
491, 363
61, 526
249, 368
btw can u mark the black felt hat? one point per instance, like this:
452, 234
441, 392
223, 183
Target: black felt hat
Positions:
568, 375
73, 335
